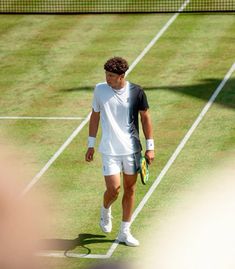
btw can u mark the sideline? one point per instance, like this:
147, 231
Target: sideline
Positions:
56, 155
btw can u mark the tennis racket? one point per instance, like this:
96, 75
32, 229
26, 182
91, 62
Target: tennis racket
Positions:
144, 170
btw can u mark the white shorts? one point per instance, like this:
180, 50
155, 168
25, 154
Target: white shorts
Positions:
113, 165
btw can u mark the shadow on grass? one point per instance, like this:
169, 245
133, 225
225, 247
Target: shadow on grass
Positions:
202, 90
66, 244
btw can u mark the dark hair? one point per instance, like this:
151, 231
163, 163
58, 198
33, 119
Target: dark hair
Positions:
116, 65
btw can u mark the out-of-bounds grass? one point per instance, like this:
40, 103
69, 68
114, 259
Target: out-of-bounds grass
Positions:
54, 73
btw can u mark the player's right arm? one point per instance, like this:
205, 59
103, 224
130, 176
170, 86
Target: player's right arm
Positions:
93, 129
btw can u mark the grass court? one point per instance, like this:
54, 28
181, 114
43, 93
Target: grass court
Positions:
49, 67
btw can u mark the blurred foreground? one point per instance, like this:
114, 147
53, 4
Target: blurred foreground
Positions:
20, 216
199, 232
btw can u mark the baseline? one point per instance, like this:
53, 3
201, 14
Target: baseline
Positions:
71, 255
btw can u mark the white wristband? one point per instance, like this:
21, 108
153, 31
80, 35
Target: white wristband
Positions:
91, 142
149, 144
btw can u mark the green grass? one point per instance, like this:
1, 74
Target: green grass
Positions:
49, 66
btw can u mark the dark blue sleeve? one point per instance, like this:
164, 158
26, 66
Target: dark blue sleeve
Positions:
142, 101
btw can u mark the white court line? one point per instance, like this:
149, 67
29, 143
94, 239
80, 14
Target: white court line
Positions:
176, 153
155, 39
56, 155
73, 135
70, 255
38, 118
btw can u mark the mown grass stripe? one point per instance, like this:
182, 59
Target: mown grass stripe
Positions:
59, 52
22, 33
8, 22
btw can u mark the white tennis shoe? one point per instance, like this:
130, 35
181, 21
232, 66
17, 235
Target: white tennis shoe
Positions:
106, 220
128, 239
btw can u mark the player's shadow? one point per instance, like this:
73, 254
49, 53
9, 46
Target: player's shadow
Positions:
204, 91
78, 89
66, 245
201, 90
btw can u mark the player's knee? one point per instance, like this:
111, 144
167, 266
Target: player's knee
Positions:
114, 191
129, 191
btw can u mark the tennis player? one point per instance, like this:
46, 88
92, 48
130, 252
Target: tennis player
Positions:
118, 103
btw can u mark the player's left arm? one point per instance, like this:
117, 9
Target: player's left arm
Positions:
148, 133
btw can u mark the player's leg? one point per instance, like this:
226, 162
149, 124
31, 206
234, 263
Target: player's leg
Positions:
110, 195
111, 172
112, 183
129, 184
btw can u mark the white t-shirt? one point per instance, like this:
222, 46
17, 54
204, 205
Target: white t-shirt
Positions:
119, 117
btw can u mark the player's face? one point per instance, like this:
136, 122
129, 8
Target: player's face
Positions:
114, 80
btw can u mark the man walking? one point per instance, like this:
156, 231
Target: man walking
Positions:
118, 103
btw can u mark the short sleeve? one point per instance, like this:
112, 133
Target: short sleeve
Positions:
142, 101
95, 102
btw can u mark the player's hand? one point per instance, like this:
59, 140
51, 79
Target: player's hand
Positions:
89, 154
149, 154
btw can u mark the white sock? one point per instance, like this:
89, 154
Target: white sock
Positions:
106, 210
125, 226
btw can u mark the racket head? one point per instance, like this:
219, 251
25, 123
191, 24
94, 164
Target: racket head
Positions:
144, 170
